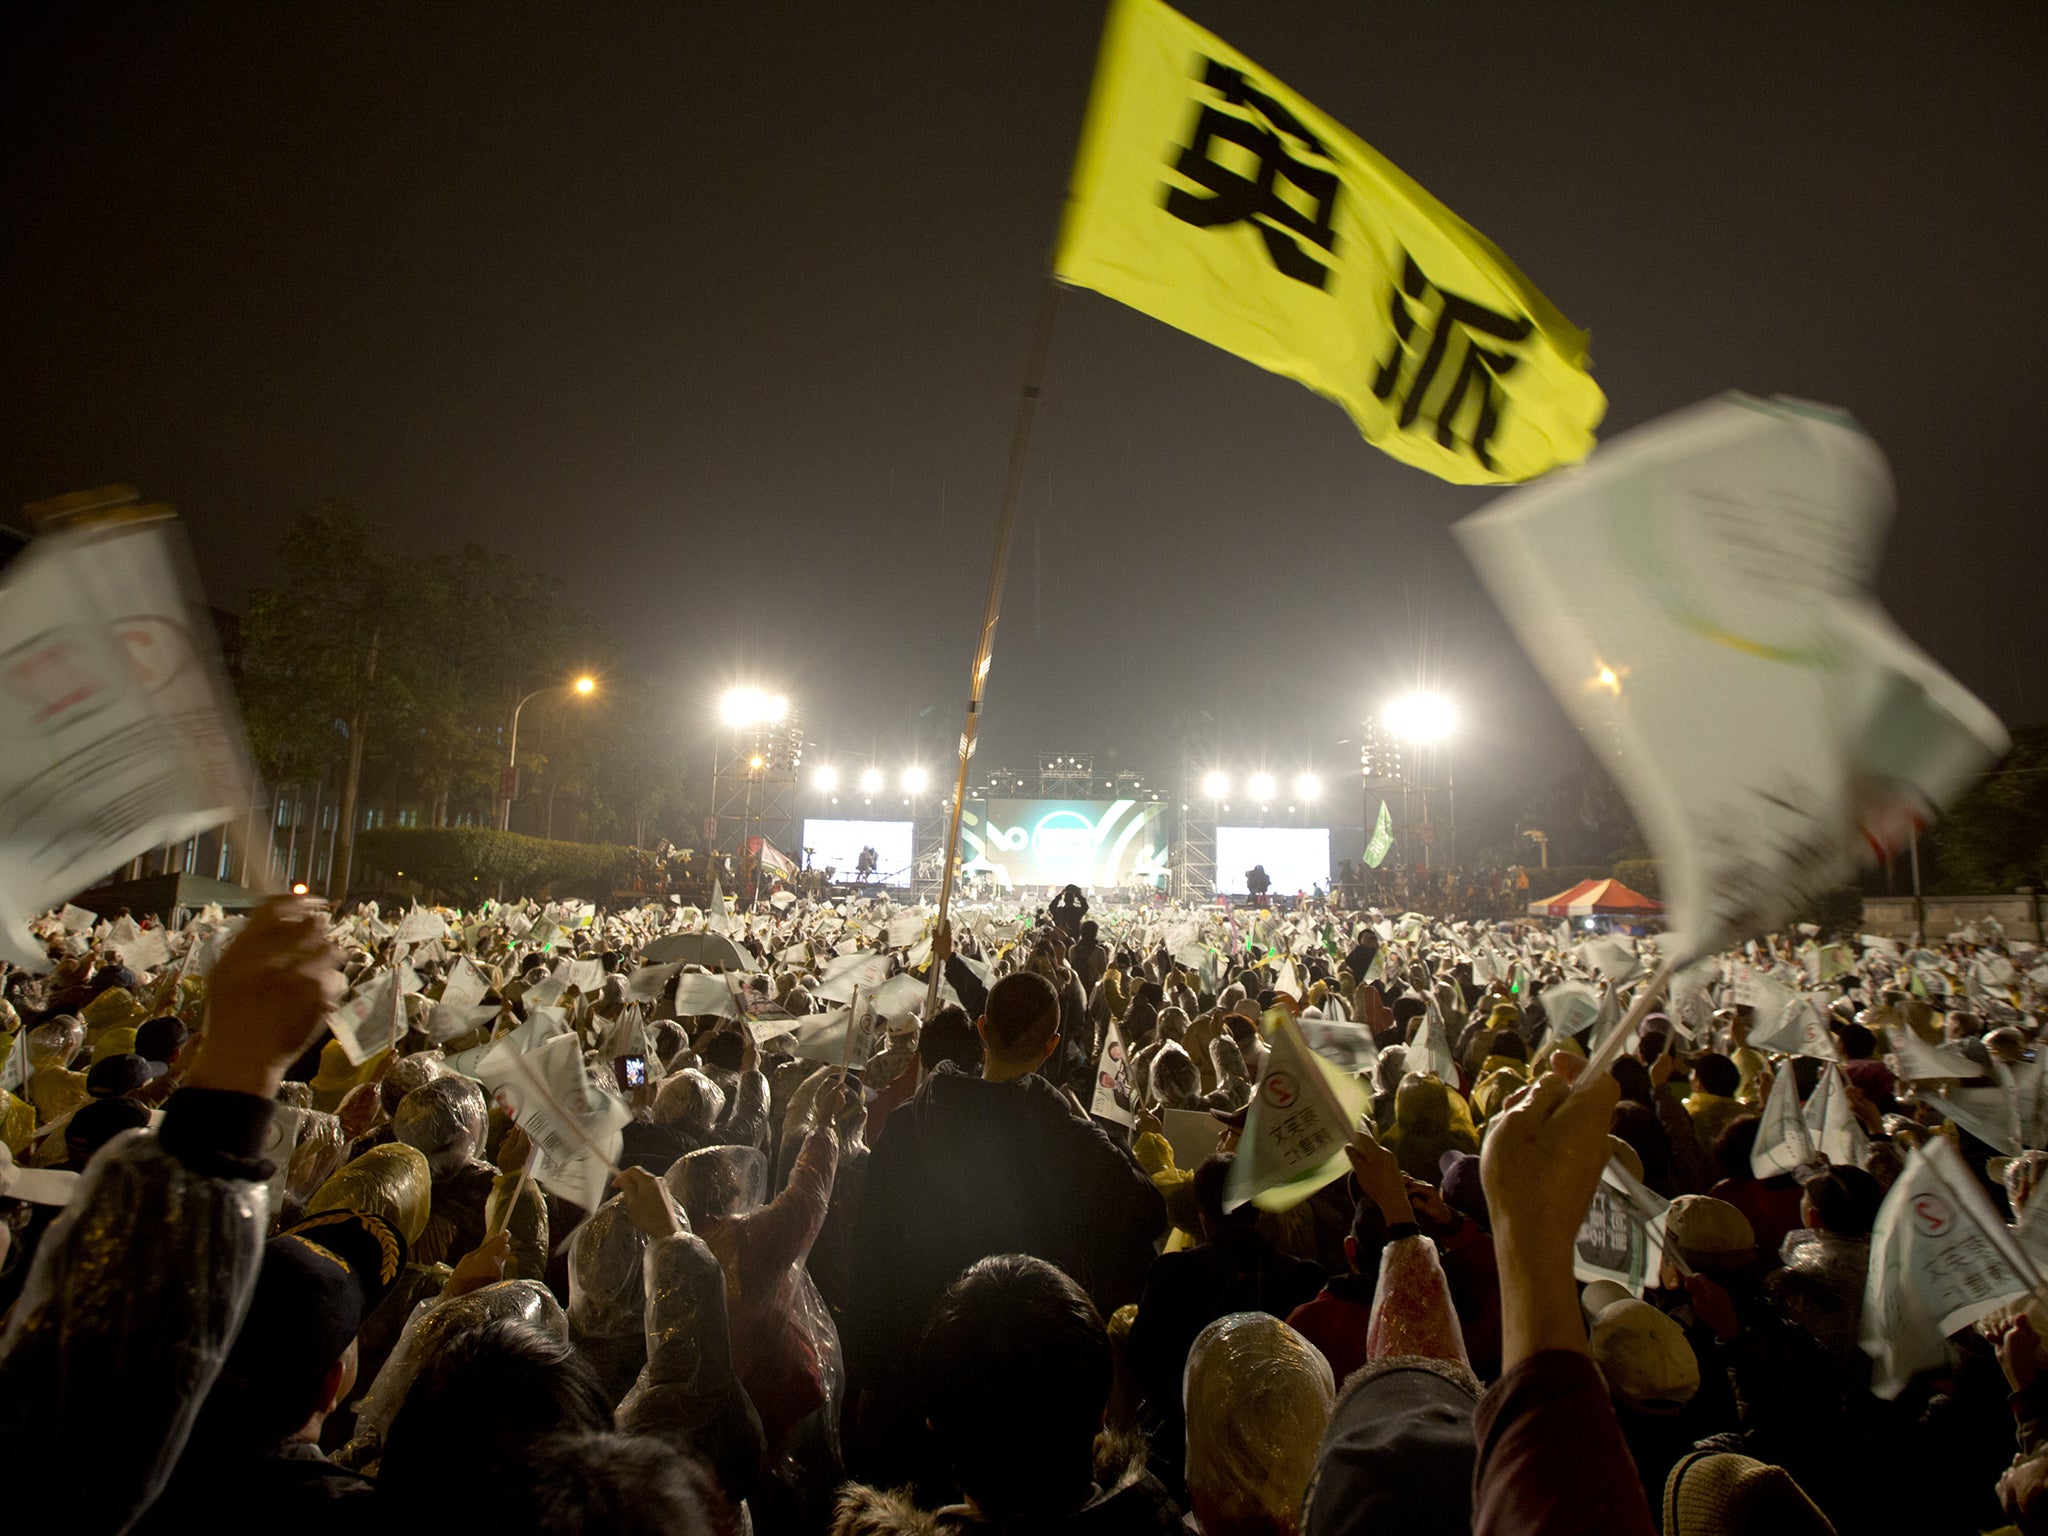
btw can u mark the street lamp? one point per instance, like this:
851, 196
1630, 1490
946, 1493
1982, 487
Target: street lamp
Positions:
583, 687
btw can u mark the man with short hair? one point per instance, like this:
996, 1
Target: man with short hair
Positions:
972, 1166
1015, 1369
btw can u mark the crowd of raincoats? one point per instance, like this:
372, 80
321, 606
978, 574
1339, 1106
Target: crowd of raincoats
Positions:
772, 1337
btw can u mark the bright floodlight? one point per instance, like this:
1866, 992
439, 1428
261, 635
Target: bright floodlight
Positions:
750, 706
870, 780
1307, 787
1215, 784
1261, 786
585, 685
826, 778
914, 780
1422, 717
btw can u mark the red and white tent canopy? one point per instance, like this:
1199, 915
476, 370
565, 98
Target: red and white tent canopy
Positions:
1597, 898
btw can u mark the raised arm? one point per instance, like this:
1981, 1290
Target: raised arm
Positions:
141, 1285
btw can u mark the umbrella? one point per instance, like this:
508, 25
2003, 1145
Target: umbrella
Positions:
707, 949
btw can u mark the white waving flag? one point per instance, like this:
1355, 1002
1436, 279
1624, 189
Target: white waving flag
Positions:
465, 986
843, 975
117, 732
571, 1117
1783, 1142
1837, 1134
1431, 1050
1301, 1116
1921, 1062
1695, 596
1568, 1007
372, 1020
706, 997
1112, 1081
1940, 1259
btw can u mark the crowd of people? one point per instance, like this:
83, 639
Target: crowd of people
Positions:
844, 1223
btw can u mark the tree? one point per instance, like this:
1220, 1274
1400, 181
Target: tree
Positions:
1996, 837
1587, 819
326, 653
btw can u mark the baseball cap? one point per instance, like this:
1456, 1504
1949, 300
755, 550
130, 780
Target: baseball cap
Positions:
115, 1077
318, 1282
99, 1121
162, 1037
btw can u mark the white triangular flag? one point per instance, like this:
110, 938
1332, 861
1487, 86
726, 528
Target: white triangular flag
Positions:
1431, 1049
1783, 1142
1831, 1123
1301, 1116
1940, 1259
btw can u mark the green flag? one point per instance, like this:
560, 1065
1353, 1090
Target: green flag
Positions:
1382, 837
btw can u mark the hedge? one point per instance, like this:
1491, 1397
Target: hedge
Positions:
462, 864
1638, 875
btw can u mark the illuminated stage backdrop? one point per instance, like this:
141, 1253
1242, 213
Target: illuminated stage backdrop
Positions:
1089, 843
836, 845
1297, 858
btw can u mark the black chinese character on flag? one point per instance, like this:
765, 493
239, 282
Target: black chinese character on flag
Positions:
1273, 135
1453, 324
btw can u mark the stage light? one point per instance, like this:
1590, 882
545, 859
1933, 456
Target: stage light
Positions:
1215, 784
1307, 787
826, 778
1423, 718
870, 780
914, 780
298, 887
750, 706
1261, 786
585, 686
757, 762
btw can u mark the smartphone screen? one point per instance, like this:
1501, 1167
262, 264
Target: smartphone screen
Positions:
631, 1071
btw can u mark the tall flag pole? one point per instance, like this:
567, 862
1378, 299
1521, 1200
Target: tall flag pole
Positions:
984, 650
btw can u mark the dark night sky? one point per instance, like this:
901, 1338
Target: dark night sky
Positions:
682, 297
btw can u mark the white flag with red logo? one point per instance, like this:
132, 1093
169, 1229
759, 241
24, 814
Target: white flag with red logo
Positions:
117, 731
1940, 1259
1301, 1116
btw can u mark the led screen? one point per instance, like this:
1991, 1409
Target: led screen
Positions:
836, 845
1095, 844
1297, 858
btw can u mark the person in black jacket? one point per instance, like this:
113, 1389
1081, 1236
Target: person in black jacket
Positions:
1067, 909
1233, 1270
976, 1166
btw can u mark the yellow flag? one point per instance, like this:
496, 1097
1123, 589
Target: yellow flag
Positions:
1210, 196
